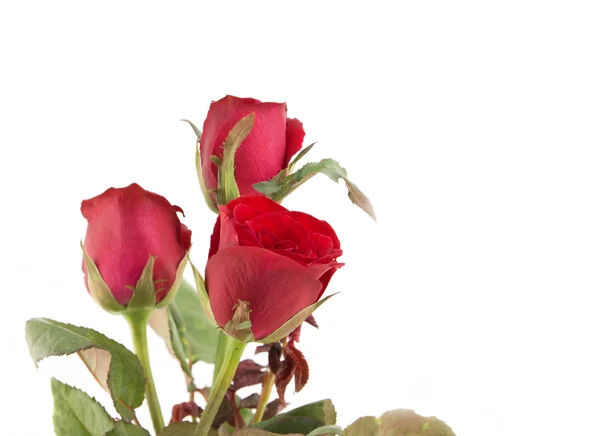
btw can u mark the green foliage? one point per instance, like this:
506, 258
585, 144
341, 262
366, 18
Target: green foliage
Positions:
257, 432
283, 185
124, 377
365, 426
123, 428
304, 419
186, 329
326, 430
179, 429
76, 413
400, 422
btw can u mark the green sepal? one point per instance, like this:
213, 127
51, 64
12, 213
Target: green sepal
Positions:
299, 156
207, 197
216, 160
176, 284
98, 288
143, 297
144, 293
228, 189
293, 323
204, 300
194, 128
76, 413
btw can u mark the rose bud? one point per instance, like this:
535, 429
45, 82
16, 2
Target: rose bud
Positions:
135, 249
264, 152
267, 268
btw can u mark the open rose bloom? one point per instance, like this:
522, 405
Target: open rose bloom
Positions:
267, 271
278, 261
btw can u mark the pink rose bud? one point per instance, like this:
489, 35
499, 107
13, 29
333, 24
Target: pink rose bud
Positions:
272, 263
267, 149
134, 244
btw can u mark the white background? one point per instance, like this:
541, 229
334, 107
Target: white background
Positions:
473, 127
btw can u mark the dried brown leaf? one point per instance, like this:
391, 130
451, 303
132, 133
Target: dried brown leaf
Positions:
183, 410
273, 408
248, 373
250, 402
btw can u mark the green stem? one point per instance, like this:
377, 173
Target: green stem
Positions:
222, 344
267, 387
218, 390
138, 321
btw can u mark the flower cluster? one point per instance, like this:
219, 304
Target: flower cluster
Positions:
267, 271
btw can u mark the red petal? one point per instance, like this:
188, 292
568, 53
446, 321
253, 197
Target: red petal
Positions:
125, 227
261, 155
323, 244
218, 114
259, 202
294, 136
186, 237
276, 287
315, 225
279, 225
243, 212
215, 238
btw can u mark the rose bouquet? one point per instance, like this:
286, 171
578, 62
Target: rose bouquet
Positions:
267, 272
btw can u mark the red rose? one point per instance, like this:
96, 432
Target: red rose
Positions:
125, 227
278, 261
272, 142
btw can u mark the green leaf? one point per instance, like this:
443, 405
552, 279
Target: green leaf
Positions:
365, 426
269, 187
329, 167
123, 428
199, 335
257, 432
124, 379
191, 336
280, 187
76, 413
179, 429
326, 430
403, 421
303, 420
400, 422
